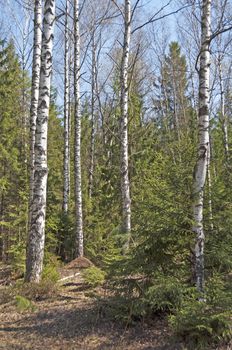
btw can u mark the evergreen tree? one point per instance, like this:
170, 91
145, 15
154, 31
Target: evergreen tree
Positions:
173, 103
13, 175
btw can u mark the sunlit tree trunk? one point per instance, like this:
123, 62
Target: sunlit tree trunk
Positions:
70, 99
125, 183
35, 249
35, 92
223, 117
209, 189
77, 141
66, 189
200, 170
93, 121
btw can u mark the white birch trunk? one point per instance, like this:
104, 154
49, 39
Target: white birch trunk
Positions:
34, 93
203, 144
93, 126
77, 132
66, 169
209, 189
70, 101
35, 249
223, 117
125, 184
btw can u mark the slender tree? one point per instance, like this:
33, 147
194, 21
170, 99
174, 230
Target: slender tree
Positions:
125, 183
77, 132
223, 117
203, 144
35, 92
35, 249
93, 122
66, 189
173, 90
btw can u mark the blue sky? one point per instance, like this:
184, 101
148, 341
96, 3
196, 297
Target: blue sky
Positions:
16, 22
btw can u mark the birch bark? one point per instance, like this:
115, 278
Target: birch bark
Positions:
34, 94
200, 170
93, 126
66, 189
223, 117
209, 188
35, 249
125, 184
77, 132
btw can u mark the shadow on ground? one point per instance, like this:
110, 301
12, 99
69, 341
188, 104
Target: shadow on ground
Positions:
83, 326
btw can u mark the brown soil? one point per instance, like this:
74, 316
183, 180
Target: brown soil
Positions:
74, 322
75, 319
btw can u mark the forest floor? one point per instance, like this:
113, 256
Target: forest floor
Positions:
73, 318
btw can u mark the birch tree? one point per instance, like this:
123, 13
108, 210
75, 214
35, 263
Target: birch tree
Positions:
125, 184
77, 132
35, 91
66, 190
93, 122
35, 249
200, 170
223, 47
223, 117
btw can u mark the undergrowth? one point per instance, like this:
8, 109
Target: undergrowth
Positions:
200, 324
23, 304
93, 276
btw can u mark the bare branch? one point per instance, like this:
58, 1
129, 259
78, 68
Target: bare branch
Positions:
153, 19
118, 7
